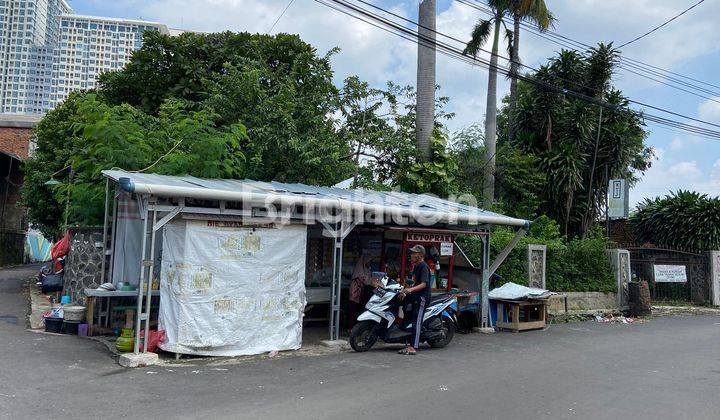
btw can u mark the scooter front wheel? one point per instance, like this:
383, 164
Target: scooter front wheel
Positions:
363, 336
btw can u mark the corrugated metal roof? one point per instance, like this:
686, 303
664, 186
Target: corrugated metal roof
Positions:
392, 202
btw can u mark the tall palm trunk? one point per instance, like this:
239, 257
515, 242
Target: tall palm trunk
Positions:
425, 118
514, 66
491, 120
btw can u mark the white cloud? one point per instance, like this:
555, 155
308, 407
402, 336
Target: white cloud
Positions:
687, 171
682, 143
709, 110
665, 176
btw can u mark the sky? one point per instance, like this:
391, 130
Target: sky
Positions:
689, 45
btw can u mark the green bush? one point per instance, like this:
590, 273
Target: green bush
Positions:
576, 265
684, 220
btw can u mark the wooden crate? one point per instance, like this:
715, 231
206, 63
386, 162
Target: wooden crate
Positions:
521, 315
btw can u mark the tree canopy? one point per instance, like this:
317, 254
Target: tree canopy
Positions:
683, 220
576, 143
228, 105
211, 105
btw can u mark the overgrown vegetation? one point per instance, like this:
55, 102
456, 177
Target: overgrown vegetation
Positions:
264, 107
228, 105
576, 144
575, 265
683, 220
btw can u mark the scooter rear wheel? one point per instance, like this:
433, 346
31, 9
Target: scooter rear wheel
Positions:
363, 336
449, 329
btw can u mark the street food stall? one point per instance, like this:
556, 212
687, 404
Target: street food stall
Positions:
237, 262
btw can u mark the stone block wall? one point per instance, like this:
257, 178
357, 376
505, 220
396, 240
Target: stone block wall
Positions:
84, 263
584, 301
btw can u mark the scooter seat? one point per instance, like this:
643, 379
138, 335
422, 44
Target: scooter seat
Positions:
439, 298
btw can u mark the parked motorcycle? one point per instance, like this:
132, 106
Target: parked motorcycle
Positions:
378, 321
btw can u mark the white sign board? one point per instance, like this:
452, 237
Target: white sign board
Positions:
670, 273
618, 199
446, 248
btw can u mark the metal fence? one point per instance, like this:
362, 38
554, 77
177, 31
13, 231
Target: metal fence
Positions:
695, 289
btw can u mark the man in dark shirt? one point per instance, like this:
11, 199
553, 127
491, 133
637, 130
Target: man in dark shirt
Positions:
418, 294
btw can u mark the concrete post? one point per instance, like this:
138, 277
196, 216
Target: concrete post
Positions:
536, 259
620, 261
715, 277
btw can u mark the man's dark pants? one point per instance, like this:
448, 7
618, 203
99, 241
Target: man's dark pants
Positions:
419, 302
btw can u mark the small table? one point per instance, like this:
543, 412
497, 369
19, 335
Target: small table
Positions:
93, 294
508, 314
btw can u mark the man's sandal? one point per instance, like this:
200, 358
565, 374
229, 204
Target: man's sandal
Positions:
407, 352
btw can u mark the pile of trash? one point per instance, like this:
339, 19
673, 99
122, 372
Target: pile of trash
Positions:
611, 319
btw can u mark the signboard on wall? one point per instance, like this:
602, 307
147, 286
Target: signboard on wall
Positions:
429, 237
618, 199
670, 273
446, 248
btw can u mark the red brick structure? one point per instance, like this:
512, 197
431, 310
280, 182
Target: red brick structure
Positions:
15, 141
15, 146
16, 134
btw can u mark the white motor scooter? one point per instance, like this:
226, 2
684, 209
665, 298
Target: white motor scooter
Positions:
379, 319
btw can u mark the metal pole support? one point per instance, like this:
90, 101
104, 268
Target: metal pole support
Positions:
138, 312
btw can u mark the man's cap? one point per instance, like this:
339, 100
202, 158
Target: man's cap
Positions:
418, 248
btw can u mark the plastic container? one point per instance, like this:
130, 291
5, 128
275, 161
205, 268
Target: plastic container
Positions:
65, 300
57, 312
53, 325
74, 313
71, 327
83, 330
126, 341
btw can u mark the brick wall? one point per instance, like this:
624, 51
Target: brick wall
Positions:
15, 141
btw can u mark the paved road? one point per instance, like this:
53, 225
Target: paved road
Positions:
667, 368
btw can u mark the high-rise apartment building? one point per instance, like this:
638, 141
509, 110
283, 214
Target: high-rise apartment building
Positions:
47, 51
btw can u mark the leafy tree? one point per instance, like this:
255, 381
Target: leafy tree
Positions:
89, 136
212, 105
562, 133
380, 124
277, 86
519, 175
683, 220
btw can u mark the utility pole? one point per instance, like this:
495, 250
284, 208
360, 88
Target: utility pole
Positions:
425, 112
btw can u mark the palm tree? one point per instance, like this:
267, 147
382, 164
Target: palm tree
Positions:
480, 34
531, 10
425, 119
536, 12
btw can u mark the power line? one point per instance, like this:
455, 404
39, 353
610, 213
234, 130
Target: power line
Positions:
579, 46
523, 65
662, 24
453, 52
281, 15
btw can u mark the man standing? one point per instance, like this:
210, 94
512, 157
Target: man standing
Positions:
418, 294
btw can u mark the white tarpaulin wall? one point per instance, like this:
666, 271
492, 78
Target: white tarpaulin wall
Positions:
230, 291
